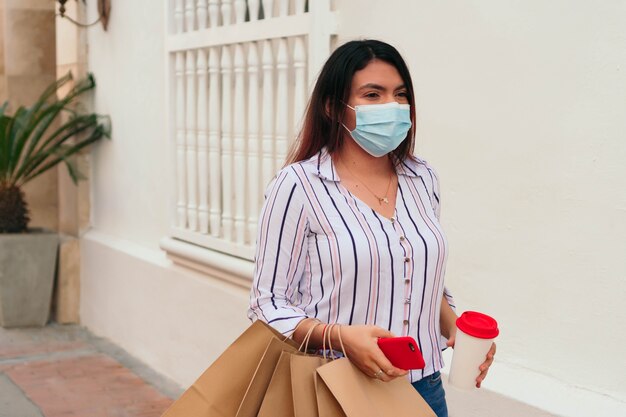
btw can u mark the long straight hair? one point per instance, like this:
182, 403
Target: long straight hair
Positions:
321, 126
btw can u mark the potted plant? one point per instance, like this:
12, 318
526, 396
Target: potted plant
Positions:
32, 141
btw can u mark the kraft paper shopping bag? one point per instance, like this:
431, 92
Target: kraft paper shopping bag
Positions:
362, 396
303, 383
327, 404
218, 392
278, 400
255, 393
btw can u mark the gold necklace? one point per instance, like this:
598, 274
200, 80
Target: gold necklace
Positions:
382, 199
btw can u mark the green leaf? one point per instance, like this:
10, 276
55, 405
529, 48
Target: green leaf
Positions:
3, 108
56, 140
45, 115
5, 144
31, 141
94, 137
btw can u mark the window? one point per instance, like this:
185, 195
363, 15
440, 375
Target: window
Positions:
238, 78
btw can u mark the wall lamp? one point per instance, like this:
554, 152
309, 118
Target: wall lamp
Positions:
104, 11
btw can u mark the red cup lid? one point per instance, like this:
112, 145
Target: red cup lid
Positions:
478, 325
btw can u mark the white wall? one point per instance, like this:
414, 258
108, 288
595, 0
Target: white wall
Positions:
131, 172
175, 320
521, 108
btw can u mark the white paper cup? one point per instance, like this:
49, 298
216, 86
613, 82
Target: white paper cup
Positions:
474, 336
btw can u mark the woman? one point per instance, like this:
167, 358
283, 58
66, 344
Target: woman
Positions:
349, 232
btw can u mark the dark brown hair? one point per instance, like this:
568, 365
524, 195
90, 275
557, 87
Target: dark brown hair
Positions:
322, 121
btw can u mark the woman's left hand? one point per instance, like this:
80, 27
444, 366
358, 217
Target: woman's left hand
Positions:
484, 367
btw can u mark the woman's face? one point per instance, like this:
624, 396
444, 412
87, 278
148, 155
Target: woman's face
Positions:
377, 83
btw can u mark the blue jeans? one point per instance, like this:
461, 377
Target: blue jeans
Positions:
431, 389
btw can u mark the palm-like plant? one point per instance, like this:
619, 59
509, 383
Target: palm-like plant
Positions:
31, 143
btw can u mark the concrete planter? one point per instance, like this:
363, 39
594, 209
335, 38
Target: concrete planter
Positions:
27, 270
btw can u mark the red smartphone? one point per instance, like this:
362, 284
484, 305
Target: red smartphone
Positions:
402, 352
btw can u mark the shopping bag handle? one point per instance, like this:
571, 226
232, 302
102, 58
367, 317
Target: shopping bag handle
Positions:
326, 335
324, 341
330, 343
343, 349
307, 337
300, 324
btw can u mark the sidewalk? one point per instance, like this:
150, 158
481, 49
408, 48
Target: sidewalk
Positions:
64, 371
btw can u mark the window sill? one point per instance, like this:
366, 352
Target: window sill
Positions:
216, 264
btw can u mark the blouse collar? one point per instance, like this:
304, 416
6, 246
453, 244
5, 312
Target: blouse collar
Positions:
325, 169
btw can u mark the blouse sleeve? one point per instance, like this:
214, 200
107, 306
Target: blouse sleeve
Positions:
280, 255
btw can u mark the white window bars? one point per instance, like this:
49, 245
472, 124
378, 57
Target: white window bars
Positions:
238, 78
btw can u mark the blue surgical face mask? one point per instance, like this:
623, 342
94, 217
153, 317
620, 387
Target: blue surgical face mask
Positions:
380, 128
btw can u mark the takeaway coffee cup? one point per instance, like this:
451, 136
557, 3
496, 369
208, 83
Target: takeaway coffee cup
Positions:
474, 336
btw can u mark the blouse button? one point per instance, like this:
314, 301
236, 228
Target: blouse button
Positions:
407, 280
407, 259
393, 219
407, 301
402, 238
406, 322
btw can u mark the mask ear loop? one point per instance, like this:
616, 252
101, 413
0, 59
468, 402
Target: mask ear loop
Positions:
347, 105
350, 107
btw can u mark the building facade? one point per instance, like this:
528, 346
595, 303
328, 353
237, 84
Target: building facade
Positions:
520, 108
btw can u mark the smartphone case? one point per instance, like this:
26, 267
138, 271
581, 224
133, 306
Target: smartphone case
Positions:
402, 352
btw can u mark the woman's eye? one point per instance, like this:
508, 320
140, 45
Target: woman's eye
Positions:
403, 94
371, 95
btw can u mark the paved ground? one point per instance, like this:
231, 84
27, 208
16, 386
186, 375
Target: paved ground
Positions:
485, 403
64, 371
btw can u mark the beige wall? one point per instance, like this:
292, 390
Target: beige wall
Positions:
71, 56
74, 200
27, 67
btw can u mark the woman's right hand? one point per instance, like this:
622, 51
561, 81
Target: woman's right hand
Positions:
361, 345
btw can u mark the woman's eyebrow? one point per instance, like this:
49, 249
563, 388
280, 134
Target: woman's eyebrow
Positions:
379, 87
372, 86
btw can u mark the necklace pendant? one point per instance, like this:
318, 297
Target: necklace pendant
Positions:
383, 200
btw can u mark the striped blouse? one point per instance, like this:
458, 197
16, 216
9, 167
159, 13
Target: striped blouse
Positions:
321, 252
